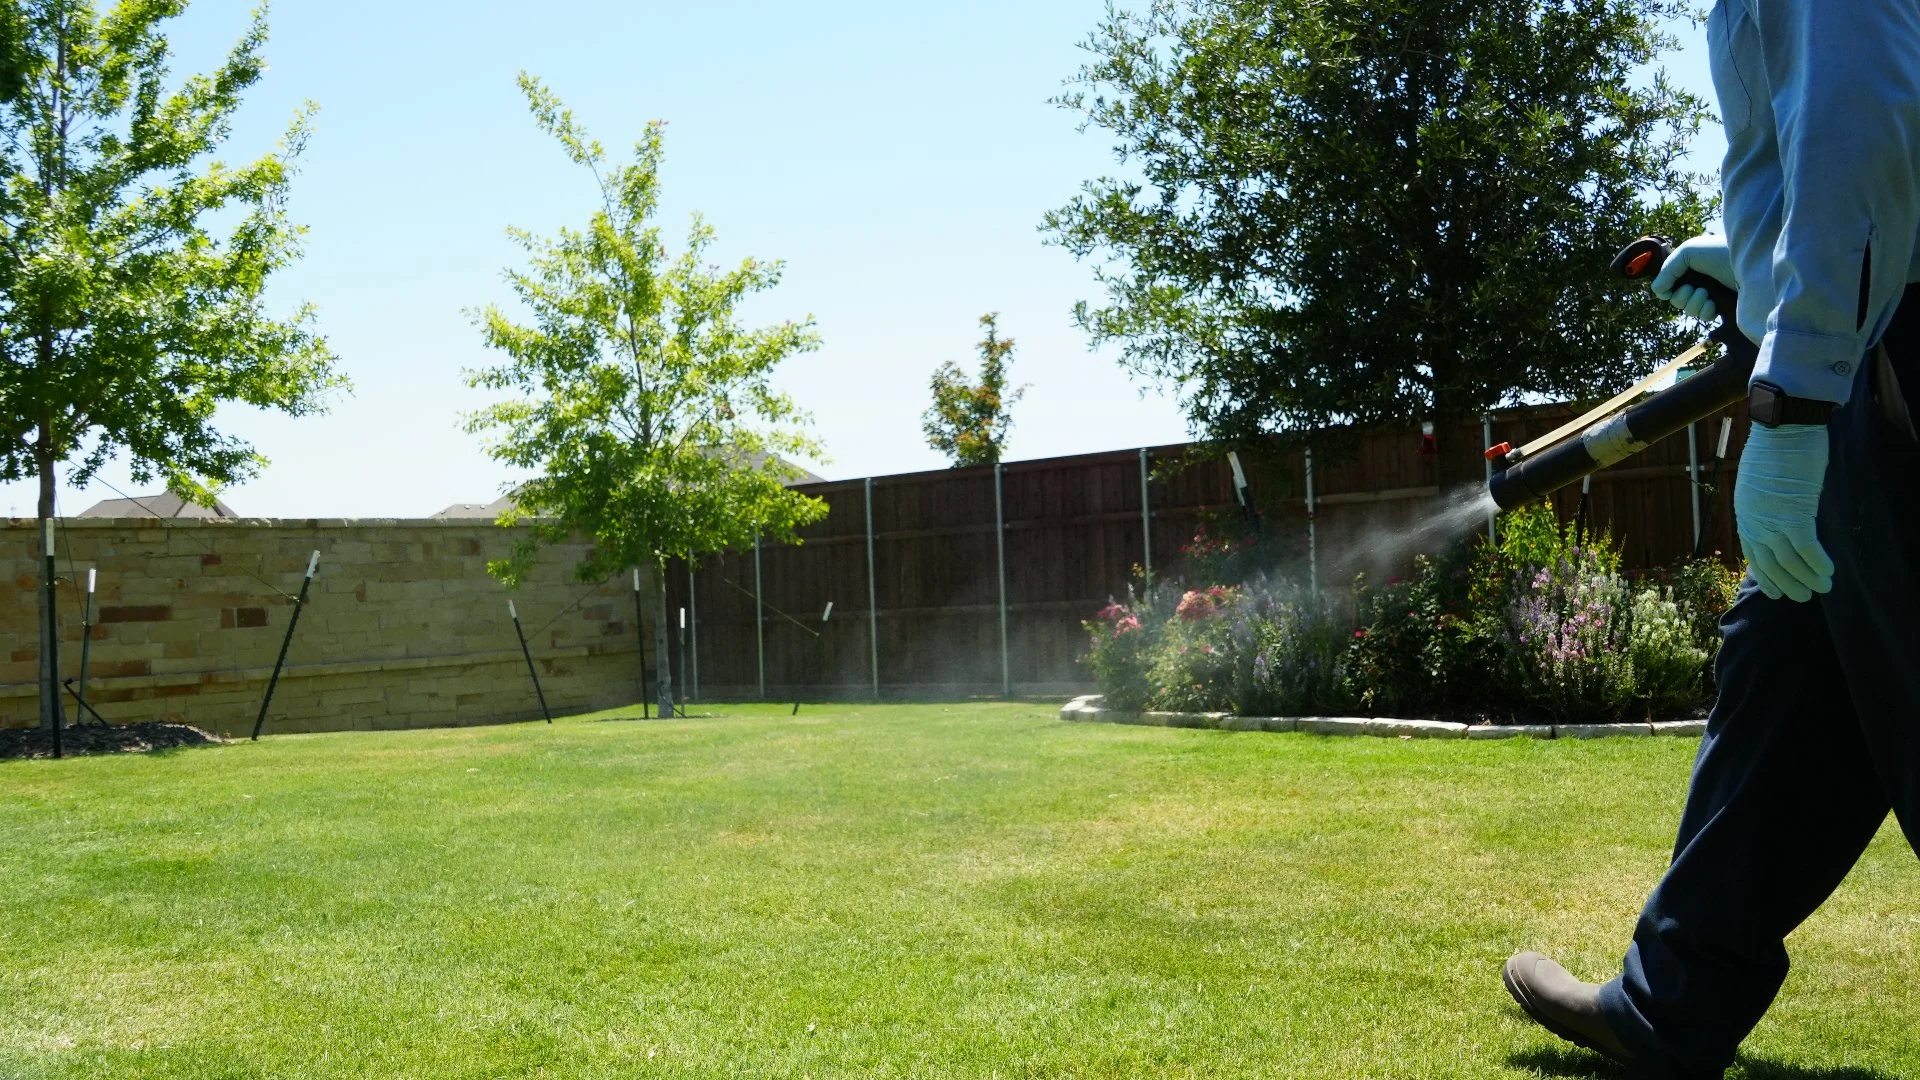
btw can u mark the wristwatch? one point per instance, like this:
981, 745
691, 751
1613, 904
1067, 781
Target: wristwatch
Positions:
1770, 406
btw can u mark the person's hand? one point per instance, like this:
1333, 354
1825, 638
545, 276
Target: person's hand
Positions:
1708, 254
1775, 500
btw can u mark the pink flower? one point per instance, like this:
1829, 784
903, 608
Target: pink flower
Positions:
1126, 624
1112, 612
1197, 605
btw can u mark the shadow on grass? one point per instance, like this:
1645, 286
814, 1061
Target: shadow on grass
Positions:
1582, 1065
1567, 1062
637, 718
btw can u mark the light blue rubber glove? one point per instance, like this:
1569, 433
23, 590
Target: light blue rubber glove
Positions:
1775, 500
1708, 254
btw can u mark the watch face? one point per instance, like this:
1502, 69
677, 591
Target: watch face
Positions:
1763, 404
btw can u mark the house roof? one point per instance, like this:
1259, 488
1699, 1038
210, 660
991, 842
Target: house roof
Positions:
489, 511
163, 505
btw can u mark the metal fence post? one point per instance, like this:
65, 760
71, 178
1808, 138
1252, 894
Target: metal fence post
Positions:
1000, 546
1486, 436
1313, 537
759, 618
693, 632
1146, 519
873, 601
1693, 479
640, 629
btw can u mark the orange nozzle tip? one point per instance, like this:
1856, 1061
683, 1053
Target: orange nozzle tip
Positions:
1639, 263
1496, 451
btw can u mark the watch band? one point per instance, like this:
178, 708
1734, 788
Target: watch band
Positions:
1770, 406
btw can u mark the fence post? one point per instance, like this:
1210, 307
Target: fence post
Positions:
1693, 479
693, 631
640, 628
759, 619
1146, 519
873, 602
1000, 546
1313, 535
1486, 440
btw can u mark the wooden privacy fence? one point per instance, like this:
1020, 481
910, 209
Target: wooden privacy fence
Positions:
976, 581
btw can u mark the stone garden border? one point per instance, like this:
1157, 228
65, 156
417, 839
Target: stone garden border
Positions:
1087, 709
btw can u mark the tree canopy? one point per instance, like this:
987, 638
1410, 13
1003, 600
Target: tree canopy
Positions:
133, 265
969, 421
644, 407
1364, 211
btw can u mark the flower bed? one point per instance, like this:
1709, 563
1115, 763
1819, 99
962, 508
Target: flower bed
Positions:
1541, 628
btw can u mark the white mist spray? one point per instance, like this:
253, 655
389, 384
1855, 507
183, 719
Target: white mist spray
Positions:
1459, 512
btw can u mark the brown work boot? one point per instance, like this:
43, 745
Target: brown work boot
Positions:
1562, 1004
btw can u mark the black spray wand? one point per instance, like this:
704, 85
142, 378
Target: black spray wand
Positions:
1540, 468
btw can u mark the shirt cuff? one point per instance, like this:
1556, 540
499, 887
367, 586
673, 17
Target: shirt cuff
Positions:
1813, 366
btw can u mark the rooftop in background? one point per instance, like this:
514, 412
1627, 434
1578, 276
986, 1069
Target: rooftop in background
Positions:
164, 505
476, 510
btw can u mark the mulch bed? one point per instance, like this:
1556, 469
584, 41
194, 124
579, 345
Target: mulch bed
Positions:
96, 739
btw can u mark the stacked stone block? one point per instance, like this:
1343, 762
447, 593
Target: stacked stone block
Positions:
403, 628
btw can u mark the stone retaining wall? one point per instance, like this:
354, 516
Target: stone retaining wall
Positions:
1089, 709
403, 628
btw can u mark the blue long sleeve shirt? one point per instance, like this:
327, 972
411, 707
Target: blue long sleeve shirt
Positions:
1821, 104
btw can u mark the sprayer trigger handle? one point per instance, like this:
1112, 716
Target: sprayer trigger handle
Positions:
1643, 259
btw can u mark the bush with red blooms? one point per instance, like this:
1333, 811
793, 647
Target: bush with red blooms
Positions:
1500, 630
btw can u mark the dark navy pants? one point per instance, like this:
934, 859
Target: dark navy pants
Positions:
1815, 737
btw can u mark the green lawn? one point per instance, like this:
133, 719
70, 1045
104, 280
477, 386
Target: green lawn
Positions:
927, 891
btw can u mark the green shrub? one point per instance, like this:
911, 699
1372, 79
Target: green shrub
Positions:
1540, 621
1125, 638
1291, 652
1569, 633
1704, 589
1669, 664
1421, 644
1194, 668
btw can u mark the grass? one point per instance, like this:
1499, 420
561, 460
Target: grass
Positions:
967, 891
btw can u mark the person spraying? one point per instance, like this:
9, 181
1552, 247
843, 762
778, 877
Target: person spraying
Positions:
1816, 734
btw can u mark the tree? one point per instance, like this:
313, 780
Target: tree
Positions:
132, 265
969, 421
644, 405
1366, 211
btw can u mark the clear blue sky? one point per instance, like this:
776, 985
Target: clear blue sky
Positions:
898, 157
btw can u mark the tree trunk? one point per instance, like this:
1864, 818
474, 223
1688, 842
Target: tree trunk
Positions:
662, 643
50, 711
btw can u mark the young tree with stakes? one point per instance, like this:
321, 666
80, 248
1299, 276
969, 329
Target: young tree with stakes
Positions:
644, 406
133, 265
1380, 211
969, 421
